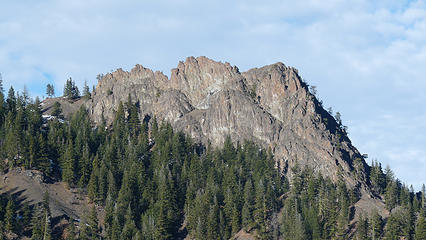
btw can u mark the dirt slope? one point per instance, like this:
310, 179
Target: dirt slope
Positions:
27, 186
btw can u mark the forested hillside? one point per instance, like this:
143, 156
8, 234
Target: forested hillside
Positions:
156, 183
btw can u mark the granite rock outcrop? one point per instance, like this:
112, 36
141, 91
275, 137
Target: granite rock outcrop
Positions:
210, 100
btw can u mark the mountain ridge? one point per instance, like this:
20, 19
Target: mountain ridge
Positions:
208, 100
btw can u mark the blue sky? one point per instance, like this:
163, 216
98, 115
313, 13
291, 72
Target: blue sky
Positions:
367, 58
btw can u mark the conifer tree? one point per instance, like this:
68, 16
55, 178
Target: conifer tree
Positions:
10, 216
129, 229
92, 223
71, 232
213, 221
47, 235
109, 215
69, 167
37, 225
70, 89
86, 91
50, 90
247, 211
43, 162
362, 228
1, 84
26, 215
421, 226
391, 194
260, 209
85, 168
376, 226
133, 116
2, 103
11, 101
2, 237
93, 186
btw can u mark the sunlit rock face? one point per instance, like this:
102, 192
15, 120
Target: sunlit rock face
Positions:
210, 100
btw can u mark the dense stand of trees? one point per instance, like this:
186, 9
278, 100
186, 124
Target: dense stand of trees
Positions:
156, 183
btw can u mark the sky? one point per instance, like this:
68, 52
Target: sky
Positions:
367, 58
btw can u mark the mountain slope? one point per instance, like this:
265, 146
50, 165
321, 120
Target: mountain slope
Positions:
271, 106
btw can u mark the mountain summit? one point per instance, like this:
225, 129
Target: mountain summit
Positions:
209, 100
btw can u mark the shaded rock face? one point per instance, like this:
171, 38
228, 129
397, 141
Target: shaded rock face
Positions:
210, 100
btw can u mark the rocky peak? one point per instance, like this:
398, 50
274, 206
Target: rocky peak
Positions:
210, 100
199, 78
274, 86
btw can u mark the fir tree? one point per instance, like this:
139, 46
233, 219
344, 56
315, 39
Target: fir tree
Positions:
47, 235
86, 91
362, 228
129, 229
247, 211
1, 84
69, 165
37, 225
71, 90
213, 221
421, 226
71, 232
10, 216
50, 90
376, 226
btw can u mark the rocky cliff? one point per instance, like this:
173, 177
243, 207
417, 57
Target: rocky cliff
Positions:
210, 100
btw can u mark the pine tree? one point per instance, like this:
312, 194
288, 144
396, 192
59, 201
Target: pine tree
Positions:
377, 177
362, 229
71, 232
2, 105
116, 228
26, 215
69, 167
71, 90
247, 211
50, 90
376, 226
84, 165
2, 237
11, 101
85, 233
92, 223
213, 221
133, 116
10, 216
260, 211
86, 91
33, 150
391, 195
47, 235
112, 187
43, 161
129, 229
93, 187
421, 226
1, 84
109, 215
37, 225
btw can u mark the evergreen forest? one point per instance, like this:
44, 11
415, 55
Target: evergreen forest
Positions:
153, 182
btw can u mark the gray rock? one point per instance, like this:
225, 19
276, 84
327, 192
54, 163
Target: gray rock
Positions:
209, 100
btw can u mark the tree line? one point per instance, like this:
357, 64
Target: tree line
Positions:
157, 183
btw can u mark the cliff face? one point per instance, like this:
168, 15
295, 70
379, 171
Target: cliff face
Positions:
209, 100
